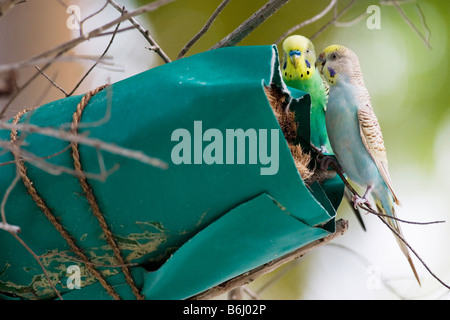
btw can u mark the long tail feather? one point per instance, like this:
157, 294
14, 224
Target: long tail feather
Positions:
386, 206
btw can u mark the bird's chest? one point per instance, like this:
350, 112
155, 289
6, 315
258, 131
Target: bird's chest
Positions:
342, 121
345, 138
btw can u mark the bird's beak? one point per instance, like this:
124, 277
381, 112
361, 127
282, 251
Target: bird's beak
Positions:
296, 60
320, 62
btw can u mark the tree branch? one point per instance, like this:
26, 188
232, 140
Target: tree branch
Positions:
250, 24
153, 45
306, 22
243, 279
92, 142
383, 218
411, 24
203, 30
335, 18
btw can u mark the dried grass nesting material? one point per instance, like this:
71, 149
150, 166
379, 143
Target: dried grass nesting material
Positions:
286, 119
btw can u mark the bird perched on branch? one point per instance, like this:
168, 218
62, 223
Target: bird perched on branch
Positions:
355, 134
299, 72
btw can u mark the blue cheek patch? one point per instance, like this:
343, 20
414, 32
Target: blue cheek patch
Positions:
308, 64
285, 65
332, 72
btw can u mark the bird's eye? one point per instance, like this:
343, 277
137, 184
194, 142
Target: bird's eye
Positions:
333, 56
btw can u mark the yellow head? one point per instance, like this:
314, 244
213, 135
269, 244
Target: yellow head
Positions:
299, 58
337, 61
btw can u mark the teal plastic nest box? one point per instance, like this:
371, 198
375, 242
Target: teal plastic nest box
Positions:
226, 198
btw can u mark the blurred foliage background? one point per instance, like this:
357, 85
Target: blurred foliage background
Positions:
408, 83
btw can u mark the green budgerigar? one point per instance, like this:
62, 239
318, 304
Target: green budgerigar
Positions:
355, 134
299, 71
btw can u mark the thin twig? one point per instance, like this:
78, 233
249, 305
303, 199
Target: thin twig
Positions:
351, 22
28, 160
424, 23
36, 257
58, 169
68, 58
250, 24
307, 22
5, 225
92, 142
7, 5
91, 34
277, 277
401, 2
52, 82
404, 221
93, 14
204, 29
26, 84
62, 48
410, 23
153, 45
335, 18
368, 208
354, 192
415, 253
96, 62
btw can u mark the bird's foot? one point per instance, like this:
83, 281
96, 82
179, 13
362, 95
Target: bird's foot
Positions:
360, 201
326, 161
323, 150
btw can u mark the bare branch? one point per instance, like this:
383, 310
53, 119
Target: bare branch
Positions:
6, 5
424, 23
341, 228
335, 18
36, 257
98, 31
382, 217
307, 22
411, 24
250, 24
153, 45
415, 253
96, 62
401, 2
67, 58
52, 82
92, 142
59, 50
93, 14
351, 22
204, 29
4, 225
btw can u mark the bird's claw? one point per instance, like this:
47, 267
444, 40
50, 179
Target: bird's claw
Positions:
325, 162
359, 201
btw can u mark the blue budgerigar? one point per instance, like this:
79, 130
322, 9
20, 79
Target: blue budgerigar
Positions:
355, 134
299, 71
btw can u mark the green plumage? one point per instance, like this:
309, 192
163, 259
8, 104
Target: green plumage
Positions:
299, 72
319, 96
